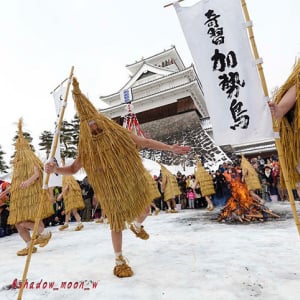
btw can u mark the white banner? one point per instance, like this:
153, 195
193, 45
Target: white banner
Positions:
56, 179
217, 37
58, 95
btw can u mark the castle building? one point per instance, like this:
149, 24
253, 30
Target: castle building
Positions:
168, 101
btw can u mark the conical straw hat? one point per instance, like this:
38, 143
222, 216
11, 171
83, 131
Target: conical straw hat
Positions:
21, 142
24, 153
85, 109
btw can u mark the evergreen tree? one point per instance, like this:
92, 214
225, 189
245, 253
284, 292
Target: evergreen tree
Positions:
3, 166
46, 141
75, 136
66, 137
69, 136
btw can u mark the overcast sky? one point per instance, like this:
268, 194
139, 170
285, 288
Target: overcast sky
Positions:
41, 40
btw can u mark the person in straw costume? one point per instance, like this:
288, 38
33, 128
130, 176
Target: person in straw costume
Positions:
285, 109
155, 194
206, 184
109, 155
26, 193
170, 189
71, 193
250, 177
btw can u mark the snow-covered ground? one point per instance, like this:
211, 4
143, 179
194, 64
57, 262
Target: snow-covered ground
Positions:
188, 256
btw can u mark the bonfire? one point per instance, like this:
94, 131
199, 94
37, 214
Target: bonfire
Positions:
242, 207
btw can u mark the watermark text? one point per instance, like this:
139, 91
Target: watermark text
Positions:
53, 285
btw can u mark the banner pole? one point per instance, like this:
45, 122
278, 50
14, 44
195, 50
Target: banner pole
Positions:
45, 190
169, 4
274, 123
59, 86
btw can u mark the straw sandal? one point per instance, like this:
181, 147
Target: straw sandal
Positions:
43, 240
123, 269
25, 251
142, 234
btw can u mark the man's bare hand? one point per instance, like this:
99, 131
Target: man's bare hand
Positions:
275, 110
50, 167
178, 149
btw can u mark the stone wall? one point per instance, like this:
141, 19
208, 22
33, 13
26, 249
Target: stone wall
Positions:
162, 128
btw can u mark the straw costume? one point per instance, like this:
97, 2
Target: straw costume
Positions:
205, 181
289, 127
25, 202
155, 194
72, 199
251, 179
113, 165
170, 187
153, 187
250, 175
206, 184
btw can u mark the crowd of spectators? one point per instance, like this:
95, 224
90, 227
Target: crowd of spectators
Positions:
5, 229
268, 171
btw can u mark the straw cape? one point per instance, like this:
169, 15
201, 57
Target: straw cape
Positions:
153, 187
205, 181
73, 197
24, 203
112, 163
289, 128
171, 188
250, 175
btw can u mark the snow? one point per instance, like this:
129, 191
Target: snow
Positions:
189, 256
154, 168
